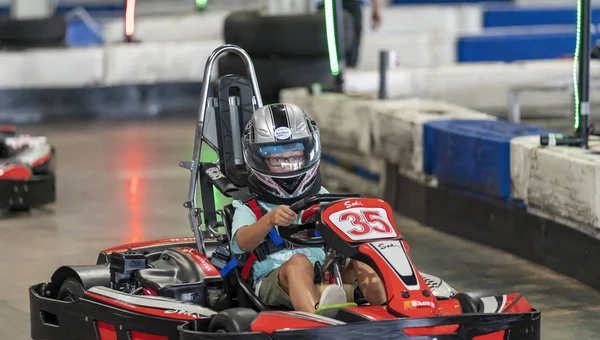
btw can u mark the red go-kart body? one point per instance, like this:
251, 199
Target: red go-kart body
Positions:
179, 294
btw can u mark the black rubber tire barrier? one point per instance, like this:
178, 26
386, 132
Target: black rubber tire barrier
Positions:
33, 32
277, 73
296, 36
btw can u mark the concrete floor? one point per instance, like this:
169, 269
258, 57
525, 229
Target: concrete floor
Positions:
120, 182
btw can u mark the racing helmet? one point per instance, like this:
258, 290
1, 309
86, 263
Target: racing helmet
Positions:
282, 151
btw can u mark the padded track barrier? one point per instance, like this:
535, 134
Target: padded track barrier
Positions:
559, 183
391, 129
472, 155
466, 173
511, 15
398, 129
518, 44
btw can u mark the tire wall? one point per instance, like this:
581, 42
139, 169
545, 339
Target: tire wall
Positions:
32, 33
287, 51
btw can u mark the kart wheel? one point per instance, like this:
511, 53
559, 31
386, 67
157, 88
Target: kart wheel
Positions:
71, 290
234, 320
468, 304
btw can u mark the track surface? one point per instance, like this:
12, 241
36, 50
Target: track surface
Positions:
120, 182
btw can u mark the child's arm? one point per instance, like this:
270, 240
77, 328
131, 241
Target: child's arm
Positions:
250, 236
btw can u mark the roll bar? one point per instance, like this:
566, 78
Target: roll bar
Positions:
194, 165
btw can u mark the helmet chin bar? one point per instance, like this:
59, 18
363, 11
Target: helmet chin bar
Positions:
278, 183
194, 211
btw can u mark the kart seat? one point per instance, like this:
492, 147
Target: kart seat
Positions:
229, 210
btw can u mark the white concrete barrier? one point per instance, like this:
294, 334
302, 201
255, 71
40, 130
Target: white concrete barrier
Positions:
346, 125
480, 86
437, 19
157, 62
194, 26
559, 183
420, 49
52, 68
391, 129
340, 179
398, 130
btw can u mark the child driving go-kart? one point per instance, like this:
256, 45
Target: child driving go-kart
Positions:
282, 150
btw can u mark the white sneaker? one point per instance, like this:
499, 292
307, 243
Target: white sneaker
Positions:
332, 295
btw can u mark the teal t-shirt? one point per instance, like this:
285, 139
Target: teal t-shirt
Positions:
244, 216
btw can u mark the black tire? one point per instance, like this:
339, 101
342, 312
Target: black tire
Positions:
276, 73
70, 290
296, 36
17, 210
234, 320
33, 32
468, 303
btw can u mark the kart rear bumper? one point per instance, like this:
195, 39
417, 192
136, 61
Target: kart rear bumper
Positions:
35, 191
53, 320
511, 326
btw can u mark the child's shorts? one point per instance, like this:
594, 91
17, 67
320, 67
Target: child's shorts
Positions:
269, 290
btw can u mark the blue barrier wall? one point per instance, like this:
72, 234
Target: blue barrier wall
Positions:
92, 9
523, 33
79, 34
424, 2
518, 45
473, 155
509, 15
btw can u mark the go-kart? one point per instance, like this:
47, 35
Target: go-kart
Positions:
26, 170
195, 288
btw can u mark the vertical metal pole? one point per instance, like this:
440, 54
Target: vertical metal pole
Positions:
384, 64
338, 12
584, 71
514, 113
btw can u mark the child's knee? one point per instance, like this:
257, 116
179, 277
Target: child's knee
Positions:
363, 269
297, 264
299, 261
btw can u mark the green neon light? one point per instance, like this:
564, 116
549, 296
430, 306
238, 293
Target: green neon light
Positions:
201, 3
331, 43
576, 67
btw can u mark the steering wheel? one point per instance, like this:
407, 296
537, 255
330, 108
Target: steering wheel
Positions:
289, 233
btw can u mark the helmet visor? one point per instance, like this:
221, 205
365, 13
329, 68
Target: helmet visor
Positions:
282, 158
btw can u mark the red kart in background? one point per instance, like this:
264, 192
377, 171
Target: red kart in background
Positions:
27, 168
195, 289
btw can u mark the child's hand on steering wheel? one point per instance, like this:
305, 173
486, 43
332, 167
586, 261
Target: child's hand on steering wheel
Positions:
281, 216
